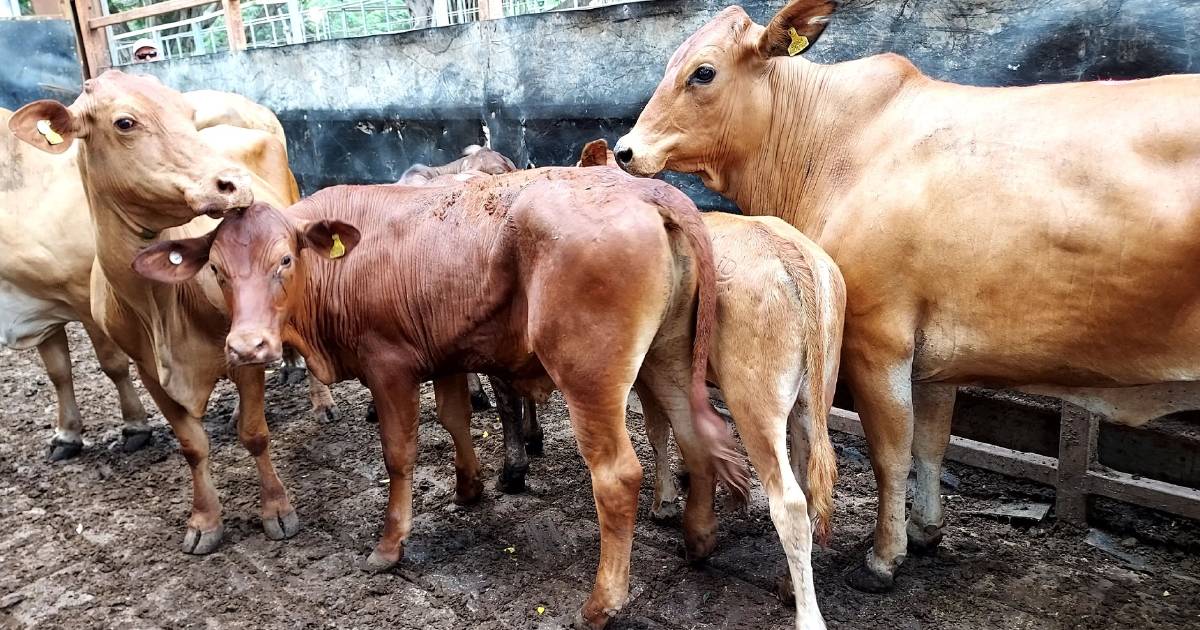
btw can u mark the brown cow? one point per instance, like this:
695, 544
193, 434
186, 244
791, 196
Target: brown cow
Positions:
149, 174
630, 257
476, 160
769, 277
1036, 237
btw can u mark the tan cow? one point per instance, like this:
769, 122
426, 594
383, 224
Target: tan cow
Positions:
769, 277
1039, 237
46, 253
149, 174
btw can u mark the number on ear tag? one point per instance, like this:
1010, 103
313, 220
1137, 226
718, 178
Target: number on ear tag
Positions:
44, 128
338, 250
799, 43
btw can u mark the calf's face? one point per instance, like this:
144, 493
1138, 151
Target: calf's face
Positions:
141, 150
258, 258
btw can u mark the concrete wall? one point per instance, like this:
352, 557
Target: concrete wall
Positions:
363, 110
37, 60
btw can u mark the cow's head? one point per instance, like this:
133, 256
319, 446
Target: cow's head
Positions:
141, 150
713, 100
257, 257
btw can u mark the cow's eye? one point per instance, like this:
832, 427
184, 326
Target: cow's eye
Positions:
286, 261
703, 75
124, 124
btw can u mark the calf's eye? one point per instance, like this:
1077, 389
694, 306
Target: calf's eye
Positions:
286, 261
124, 124
703, 75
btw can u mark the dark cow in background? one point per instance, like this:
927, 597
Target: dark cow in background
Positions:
631, 257
1037, 237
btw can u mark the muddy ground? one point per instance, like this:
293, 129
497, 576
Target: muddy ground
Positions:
95, 543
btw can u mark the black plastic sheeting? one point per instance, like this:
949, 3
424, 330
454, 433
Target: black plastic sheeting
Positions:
37, 60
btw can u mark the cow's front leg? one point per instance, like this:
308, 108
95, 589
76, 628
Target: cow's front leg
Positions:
397, 401
454, 413
933, 408
204, 528
516, 460
279, 518
534, 437
881, 383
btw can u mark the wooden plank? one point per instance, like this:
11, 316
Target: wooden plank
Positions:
68, 11
491, 9
1150, 493
1005, 461
234, 25
99, 20
1077, 434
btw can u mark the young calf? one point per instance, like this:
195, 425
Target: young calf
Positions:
586, 272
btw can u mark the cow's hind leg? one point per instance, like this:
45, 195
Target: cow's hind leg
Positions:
658, 430
279, 518
204, 528
479, 397
136, 432
323, 407
454, 413
933, 408
762, 421
534, 437
516, 460
55, 352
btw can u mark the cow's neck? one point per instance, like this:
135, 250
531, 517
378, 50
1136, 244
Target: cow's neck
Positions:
813, 149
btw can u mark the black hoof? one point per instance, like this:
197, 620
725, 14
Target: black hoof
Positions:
534, 447
327, 414
135, 440
862, 578
480, 401
198, 543
511, 481
784, 589
60, 450
372, 413
281, 527
292, 374
927, 543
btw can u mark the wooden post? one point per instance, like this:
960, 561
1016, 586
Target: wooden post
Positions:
234, 26
1077, 435
491, 9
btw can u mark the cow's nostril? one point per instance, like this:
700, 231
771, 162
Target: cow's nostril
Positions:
260, 343
624, 155
226, 186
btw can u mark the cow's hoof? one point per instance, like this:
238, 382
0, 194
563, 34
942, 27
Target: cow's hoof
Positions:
281, 527
480, 401
468, 492
862, 578
135, 439
378, 562
665, 511
784, 589
511, 481
327, 414
372, 413
697, 548
596, 622
60, 450
198, 543
534, 447
925, 541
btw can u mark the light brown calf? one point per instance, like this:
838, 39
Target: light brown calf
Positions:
1037, 237
382, 283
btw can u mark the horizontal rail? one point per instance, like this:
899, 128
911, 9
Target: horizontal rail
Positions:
144, 12
1151, 493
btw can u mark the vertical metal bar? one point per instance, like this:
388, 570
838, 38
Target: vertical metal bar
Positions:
1077, 433
296, 15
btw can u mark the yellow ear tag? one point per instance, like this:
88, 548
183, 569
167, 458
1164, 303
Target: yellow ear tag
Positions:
799, 43
52, 138
338, 250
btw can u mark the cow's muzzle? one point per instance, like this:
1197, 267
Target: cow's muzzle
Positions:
252, 348
225, 192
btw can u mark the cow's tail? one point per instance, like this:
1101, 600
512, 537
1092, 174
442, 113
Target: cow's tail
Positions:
822, 460
680, 213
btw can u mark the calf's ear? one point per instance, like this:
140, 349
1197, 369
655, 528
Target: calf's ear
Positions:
173, 262
596, 153
329, 238
46, 125
796, 27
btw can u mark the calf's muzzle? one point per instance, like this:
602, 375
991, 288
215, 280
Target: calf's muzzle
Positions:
252, 347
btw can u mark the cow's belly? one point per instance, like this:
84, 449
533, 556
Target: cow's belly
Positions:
1132, 406
26, 321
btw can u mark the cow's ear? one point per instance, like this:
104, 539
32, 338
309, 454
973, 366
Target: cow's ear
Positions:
796, 27
173, 262
329, 238
46, 125
596, 153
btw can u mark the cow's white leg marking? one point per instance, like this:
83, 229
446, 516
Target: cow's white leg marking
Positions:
933, 408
